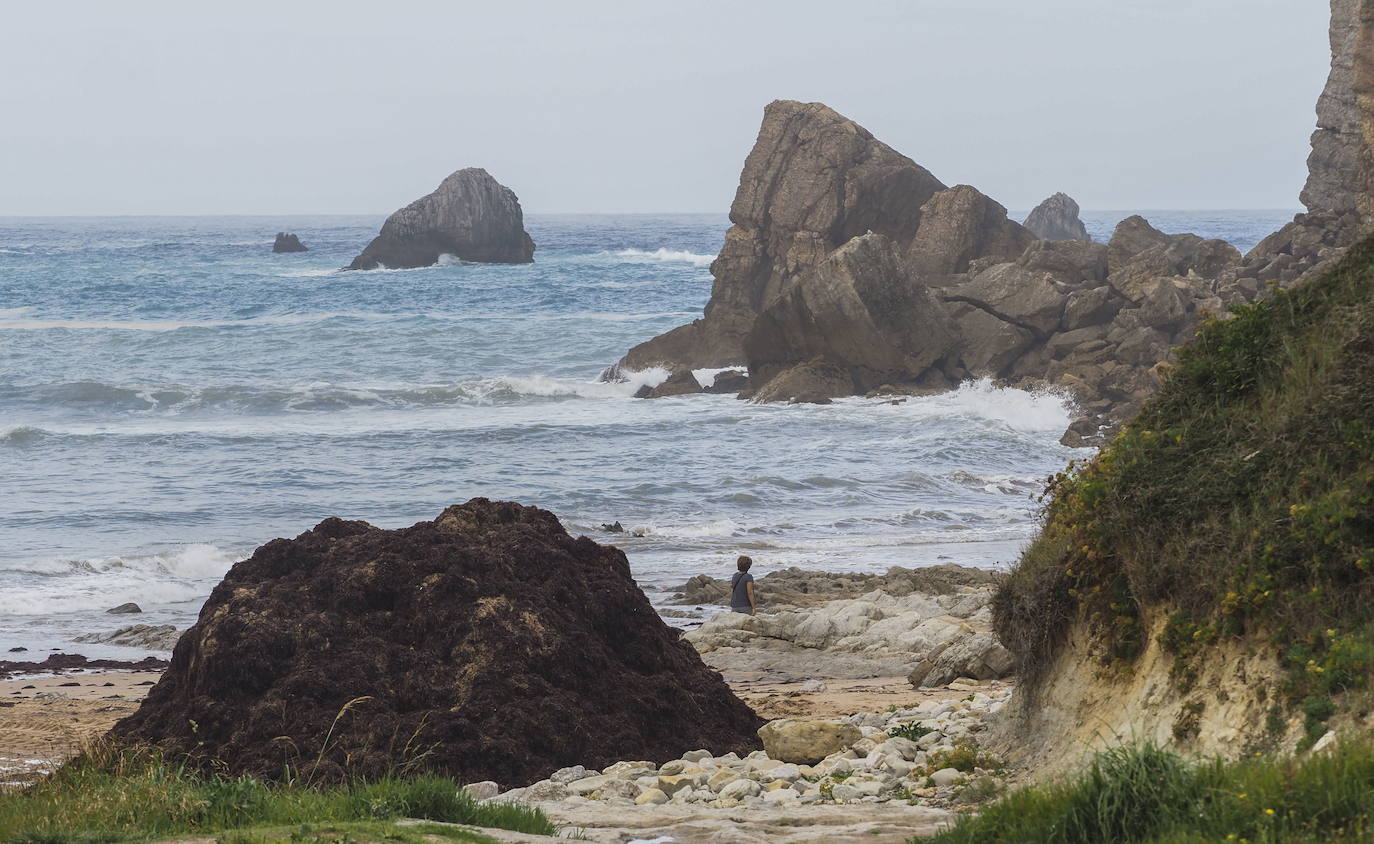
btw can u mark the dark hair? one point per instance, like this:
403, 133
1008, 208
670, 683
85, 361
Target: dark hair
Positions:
743, 563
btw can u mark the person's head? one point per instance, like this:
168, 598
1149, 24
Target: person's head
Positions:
743, 563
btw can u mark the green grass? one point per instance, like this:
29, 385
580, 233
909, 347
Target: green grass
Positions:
133, 794
1145, 794
1239, 502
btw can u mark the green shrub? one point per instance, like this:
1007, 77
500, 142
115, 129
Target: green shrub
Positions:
910, 731
1145, 794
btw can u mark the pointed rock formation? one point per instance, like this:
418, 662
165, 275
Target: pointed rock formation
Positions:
470, 216
813, 180
859, 311
958, 226
287, 242
487, 644
1341, 166
1057, 219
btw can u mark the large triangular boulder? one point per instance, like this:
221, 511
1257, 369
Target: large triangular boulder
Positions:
487, 644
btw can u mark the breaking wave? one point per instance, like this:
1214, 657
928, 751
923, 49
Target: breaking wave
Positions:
673, 256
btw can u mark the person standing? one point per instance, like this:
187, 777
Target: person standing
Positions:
742, 598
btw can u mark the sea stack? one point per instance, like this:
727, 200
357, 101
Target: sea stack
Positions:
287, 242
1057, 219
470, 216
488, 640
814, 180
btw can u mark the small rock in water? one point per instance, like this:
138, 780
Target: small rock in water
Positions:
17, 650
287, 242
613, 527
125, 608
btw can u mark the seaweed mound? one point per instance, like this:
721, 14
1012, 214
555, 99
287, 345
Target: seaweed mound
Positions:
487, 644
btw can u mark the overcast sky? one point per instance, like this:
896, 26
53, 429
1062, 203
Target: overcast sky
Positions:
599, 106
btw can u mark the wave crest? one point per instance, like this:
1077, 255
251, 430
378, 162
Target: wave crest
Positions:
674, 256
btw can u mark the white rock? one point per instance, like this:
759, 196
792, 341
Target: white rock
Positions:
791, 773
484, 790
781, 796
741, 789
844, 793
587, 785
946, 776
567, 775
696, 755
651, 797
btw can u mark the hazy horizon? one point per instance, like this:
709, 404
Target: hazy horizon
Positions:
157, 109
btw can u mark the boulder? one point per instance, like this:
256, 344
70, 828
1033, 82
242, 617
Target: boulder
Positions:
154, 637
124, 609
989, 345
470, 217
815, 381
1076, 263
1341, 166
729, 381
490, 638
1139, 253
287, 242
960, 225
859, 310
806, 742
1057, 219
680, 383
979, 655
1095, 306
1032, 300
813, 181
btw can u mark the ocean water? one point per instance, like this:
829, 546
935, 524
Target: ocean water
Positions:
172, 395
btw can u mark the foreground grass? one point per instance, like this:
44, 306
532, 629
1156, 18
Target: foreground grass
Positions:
134, 795
1146, 794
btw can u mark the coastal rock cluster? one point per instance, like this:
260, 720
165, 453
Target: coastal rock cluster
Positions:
287, 242
934, 639
795, 587
862, 759
470, 217
851, 270
487, 644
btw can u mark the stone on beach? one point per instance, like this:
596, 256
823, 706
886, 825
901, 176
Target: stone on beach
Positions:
806, 742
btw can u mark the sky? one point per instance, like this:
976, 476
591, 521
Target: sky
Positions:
618, 107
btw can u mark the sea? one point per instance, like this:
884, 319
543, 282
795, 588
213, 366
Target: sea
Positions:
173, 395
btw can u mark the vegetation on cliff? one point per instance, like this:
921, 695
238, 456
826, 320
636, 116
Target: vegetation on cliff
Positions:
1237, 503
1144, 793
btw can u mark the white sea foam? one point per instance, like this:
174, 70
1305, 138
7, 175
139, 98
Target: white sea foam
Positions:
185, 574
707, 377
21, 434
673, 256
1018, 410
11, 313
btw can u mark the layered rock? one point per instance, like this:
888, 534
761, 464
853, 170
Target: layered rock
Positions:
931, 638
489, 639
470, 217
958, 226
1057, 219
287, 242
860, 312
813, 181
1341, 166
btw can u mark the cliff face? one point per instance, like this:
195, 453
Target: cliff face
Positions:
813, 180
1341, 166
470, 216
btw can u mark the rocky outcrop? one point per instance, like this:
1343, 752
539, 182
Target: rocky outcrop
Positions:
873, 635
488, 639
806, 588
1057, 219
813, 181
680, 382
1341, 166
154, 637
287, 242
470, 217
858, 310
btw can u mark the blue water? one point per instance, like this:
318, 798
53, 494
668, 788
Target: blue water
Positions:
172, 395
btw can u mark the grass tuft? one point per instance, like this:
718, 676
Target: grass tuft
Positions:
115, 794
1143, 793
